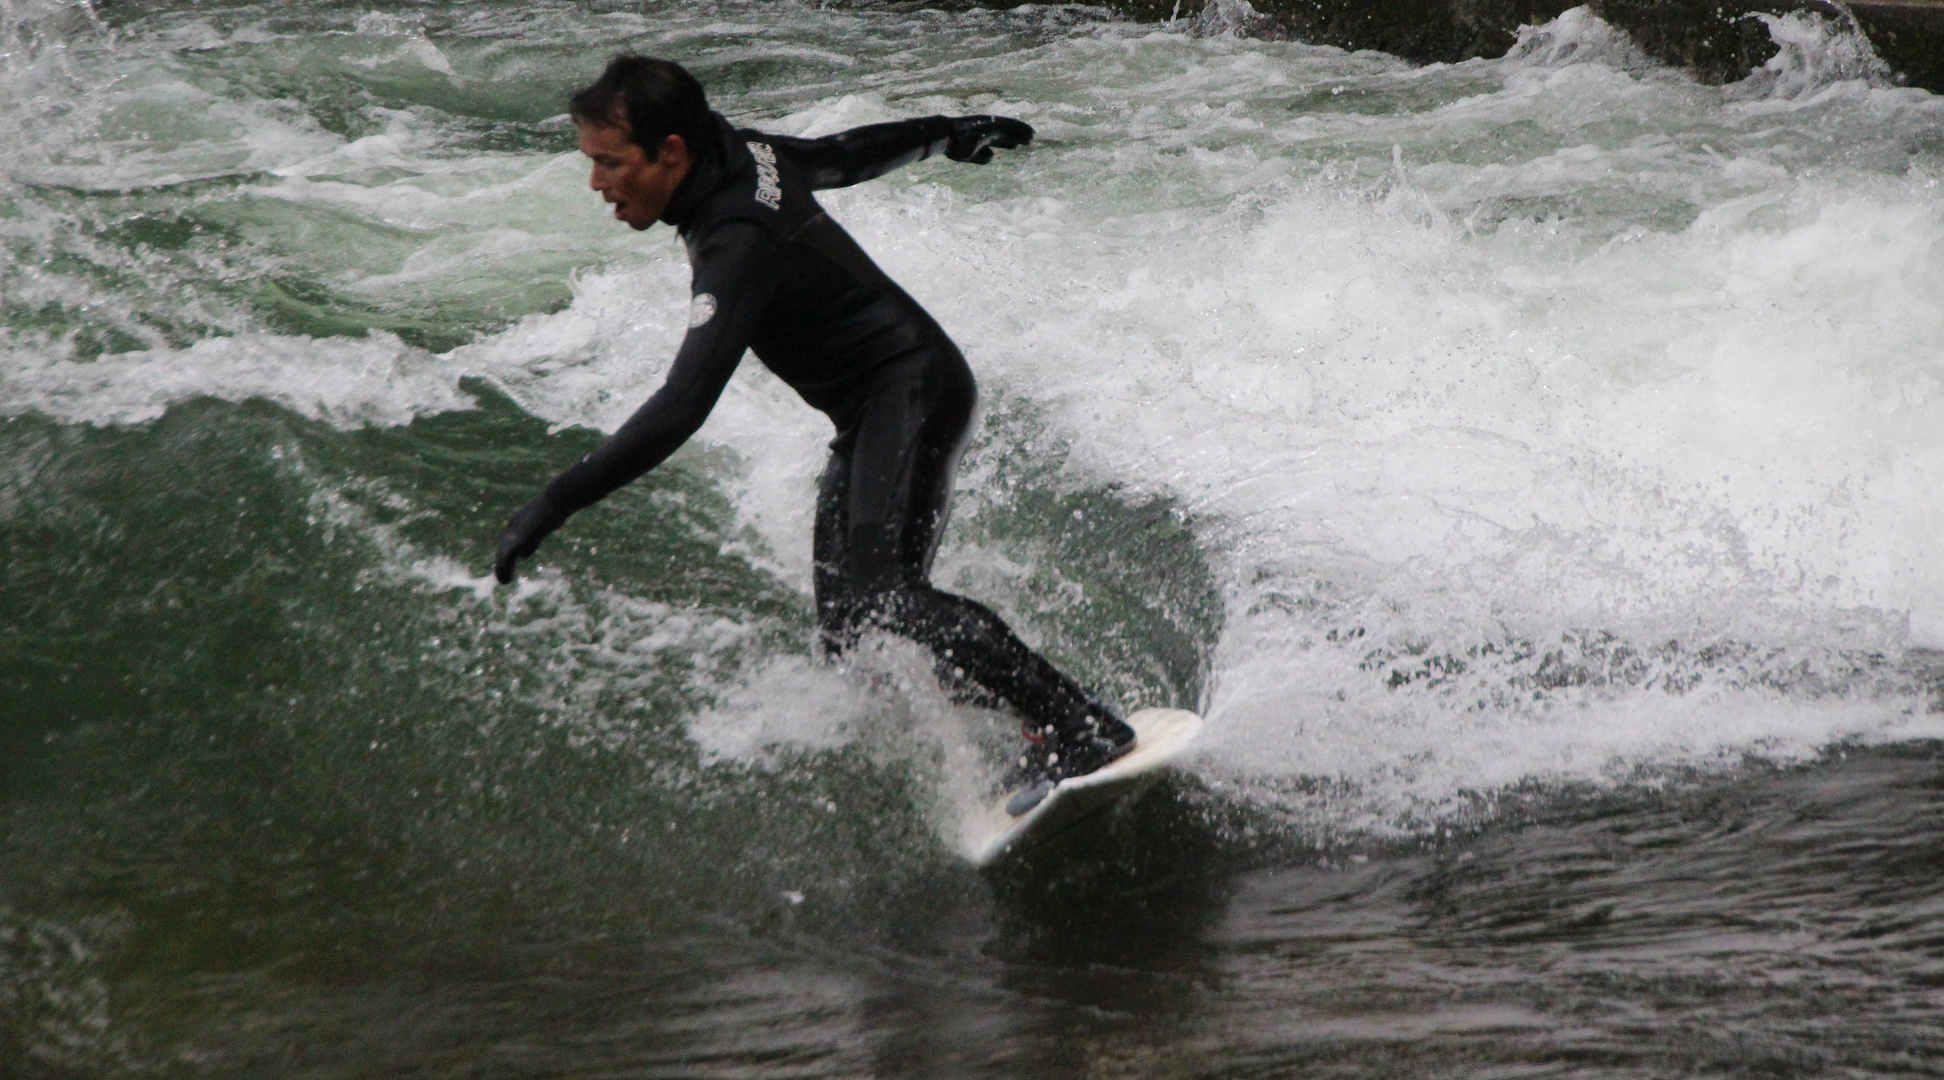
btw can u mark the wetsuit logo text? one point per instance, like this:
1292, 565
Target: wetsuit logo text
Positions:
769, 188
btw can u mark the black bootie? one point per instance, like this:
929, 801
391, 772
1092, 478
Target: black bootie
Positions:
1091, 738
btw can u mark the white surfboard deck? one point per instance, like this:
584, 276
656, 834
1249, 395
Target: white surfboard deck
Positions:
1161, 736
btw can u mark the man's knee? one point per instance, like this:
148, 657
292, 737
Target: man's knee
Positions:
844, 615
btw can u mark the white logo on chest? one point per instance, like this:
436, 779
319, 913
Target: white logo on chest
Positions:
769, 188
701, 309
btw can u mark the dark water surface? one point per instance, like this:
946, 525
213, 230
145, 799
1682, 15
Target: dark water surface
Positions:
1777, 923
1529, 467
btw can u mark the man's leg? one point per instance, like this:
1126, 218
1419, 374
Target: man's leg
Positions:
880, 509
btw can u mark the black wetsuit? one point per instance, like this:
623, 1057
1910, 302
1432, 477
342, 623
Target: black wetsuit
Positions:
773, 273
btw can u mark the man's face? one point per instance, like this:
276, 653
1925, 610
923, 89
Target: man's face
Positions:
640, 189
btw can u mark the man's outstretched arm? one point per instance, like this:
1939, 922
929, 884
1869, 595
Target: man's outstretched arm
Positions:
735, 274
864, 153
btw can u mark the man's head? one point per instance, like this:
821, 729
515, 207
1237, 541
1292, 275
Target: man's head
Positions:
642, 123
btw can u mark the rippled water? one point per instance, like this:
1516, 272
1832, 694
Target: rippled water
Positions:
1528, 466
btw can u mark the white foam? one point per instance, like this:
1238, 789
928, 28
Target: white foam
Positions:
1579, 37
350, 382
414, 47
787, 704
1816, 55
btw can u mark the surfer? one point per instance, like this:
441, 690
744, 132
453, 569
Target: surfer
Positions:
771, 272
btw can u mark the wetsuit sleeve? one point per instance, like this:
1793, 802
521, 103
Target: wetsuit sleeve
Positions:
735, 267
865, 153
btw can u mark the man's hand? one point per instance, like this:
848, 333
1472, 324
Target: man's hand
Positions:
530, 525
973, 137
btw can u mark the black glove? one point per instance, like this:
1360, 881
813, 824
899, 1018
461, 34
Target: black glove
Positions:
973, 137
530, 525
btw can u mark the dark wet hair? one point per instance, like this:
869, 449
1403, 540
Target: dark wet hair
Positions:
649, 99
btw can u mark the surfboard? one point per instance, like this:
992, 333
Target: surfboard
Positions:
1161, 737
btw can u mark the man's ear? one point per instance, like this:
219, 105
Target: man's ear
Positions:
673, 151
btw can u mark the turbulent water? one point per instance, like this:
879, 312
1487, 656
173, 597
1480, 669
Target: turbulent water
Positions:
1529, 466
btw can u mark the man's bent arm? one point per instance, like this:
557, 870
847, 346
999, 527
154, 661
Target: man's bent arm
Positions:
865, 153
735, 269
